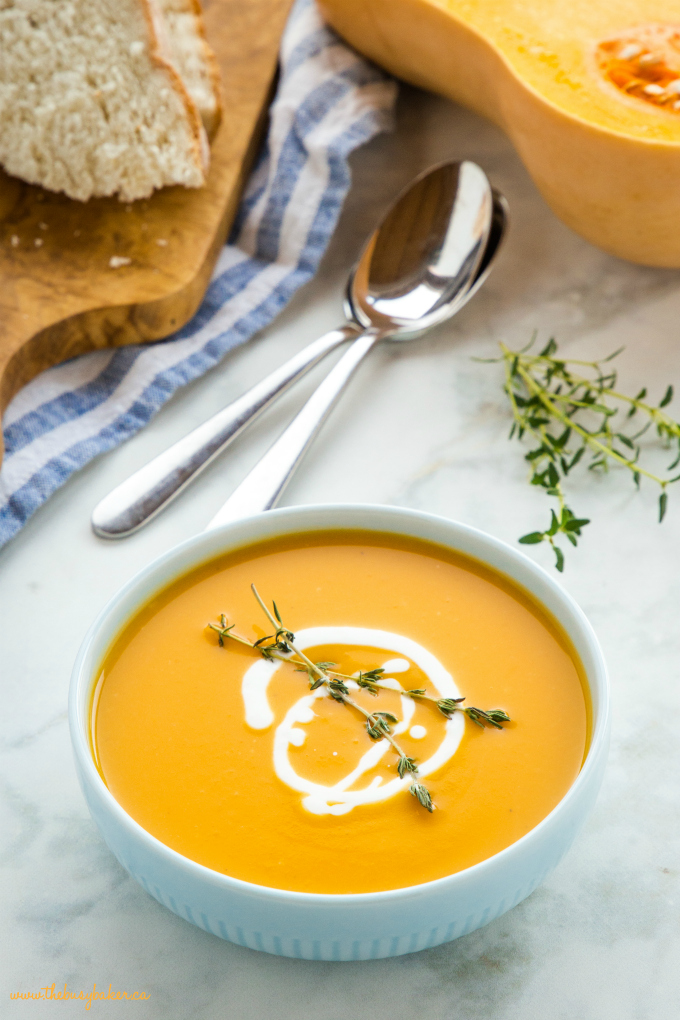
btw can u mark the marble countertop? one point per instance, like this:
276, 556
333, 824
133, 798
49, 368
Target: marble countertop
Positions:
422, 426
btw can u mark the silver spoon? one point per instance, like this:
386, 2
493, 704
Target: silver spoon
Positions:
415, 272
145, 493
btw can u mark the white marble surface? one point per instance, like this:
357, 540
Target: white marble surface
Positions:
423, 426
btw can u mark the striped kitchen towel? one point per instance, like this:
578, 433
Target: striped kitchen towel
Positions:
329, 101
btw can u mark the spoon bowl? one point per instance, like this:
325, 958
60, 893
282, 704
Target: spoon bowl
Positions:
424, 256
497, 232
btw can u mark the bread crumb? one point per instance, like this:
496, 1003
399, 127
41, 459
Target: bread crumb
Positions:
38, 242
161, 242
14, 240
76, 233
43, 226
116, 261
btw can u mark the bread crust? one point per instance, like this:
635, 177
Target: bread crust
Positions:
160, 57
212, 66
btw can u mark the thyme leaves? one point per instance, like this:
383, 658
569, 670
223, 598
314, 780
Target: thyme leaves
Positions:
575, 413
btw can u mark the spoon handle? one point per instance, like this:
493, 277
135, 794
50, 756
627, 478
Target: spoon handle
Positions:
261, 489
141, 496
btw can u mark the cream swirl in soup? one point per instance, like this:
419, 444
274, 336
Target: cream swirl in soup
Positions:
348, 792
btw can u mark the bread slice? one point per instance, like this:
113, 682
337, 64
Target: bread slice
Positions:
104, 97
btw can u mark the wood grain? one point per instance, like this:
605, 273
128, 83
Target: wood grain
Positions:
59, 297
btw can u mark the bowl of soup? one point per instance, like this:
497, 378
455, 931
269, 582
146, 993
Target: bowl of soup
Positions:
366, 817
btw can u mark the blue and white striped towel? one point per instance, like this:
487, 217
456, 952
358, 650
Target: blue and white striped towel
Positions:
329, 102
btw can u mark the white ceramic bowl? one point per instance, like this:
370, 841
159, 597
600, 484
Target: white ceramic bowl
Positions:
363, 926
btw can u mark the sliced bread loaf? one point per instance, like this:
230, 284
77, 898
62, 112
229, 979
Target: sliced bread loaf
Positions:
104, 97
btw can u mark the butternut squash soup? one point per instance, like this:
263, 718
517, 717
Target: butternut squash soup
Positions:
318, 742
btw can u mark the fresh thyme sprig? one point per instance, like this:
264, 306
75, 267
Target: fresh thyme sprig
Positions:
572, 408
281, 645
448, 706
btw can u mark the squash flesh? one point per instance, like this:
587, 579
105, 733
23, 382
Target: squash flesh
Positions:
551, 47
607, 163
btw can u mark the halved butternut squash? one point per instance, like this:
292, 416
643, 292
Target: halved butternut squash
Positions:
588, 91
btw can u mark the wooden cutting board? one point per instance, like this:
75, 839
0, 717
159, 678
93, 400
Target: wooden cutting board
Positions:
59, 296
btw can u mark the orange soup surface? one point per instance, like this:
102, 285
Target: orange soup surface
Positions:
233, 762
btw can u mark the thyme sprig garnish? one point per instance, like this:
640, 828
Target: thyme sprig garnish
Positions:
571, 409
281, 645
447, 706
